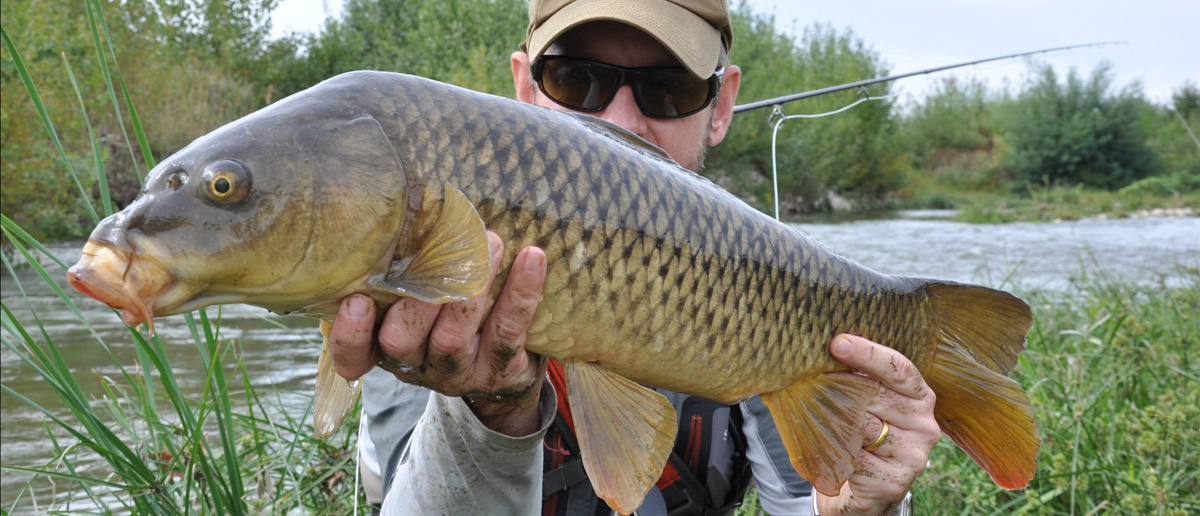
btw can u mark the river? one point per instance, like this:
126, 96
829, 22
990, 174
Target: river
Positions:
280, 353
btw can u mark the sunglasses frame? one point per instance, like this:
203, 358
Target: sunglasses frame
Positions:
626, 76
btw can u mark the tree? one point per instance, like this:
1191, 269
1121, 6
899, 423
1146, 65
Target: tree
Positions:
1080, 131
855, 152
462, 42
1186, 100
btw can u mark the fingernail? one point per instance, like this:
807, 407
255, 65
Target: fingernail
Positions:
495, 246
841, 346
532, 261
356, 306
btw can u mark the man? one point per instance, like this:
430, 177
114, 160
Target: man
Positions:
480, 442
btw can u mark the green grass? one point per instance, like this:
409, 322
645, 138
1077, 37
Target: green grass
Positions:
1047, 204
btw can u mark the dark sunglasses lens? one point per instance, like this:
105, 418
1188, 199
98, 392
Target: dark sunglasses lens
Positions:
578, 84
670, 93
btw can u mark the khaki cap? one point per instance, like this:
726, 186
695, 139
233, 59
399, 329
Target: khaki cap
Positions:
693, 30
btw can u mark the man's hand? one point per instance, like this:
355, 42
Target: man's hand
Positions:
445, 348
905, 401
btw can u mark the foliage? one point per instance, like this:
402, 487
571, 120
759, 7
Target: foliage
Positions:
956, 116
166, 47
1176, 195
854, 153
197, 64
462, 42
1172, 132
1079, 132
1186, 100
955, 137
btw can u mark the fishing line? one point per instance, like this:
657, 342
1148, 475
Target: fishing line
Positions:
776, 121
362, 425
1185, 124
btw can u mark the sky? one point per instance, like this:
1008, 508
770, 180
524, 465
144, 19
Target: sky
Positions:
1160, 38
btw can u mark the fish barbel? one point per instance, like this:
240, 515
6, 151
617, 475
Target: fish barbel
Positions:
383, 184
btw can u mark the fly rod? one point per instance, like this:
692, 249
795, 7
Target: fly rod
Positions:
858, 84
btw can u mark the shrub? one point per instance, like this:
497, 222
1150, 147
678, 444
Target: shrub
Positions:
1079, 132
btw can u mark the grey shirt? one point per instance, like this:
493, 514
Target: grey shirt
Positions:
430, 448
455, 465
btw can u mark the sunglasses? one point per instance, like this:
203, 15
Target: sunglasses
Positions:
589, 86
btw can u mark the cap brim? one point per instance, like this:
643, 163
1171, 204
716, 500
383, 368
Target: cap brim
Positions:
688, 37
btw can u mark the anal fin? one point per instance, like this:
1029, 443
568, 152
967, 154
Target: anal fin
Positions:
335, 396
625, 431
820, 422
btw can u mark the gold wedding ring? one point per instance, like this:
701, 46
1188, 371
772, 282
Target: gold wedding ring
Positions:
879, 440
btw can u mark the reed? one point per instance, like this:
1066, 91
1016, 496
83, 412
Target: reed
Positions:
235, 450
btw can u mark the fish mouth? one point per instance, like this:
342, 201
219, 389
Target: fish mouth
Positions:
123, 280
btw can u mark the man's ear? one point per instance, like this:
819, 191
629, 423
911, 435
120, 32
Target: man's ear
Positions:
522, 78
725, 102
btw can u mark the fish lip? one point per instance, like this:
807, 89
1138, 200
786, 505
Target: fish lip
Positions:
121, 279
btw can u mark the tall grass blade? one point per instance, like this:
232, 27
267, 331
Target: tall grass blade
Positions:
138, 131
93, 11
97, 160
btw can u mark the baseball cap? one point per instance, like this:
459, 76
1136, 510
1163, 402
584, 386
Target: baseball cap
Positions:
692, 30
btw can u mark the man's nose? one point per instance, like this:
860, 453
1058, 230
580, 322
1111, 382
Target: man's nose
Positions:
623, 111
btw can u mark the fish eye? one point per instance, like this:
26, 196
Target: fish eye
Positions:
226, 181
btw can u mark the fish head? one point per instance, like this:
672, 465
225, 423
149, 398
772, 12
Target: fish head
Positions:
277, 209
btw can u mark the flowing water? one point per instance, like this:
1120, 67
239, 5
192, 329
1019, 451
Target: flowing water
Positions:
280, 353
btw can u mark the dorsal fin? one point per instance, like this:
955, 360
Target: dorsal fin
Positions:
622, 135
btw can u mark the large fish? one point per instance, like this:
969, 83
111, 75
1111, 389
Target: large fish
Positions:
383, 184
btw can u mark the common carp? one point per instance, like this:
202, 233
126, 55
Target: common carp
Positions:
383, 184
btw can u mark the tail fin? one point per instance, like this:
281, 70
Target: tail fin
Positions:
980, 333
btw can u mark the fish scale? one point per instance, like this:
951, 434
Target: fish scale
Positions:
652, 264
382, 184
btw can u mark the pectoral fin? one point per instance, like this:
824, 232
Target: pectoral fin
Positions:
335, 396
452, 263
625, 433
820, 421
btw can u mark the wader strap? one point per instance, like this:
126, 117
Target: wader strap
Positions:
562, 478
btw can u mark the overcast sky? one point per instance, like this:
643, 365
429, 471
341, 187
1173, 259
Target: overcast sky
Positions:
1161, 49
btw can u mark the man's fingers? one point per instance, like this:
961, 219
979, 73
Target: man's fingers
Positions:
518, 301
503, 335
452, 343
872, 429
352, 337
405, 331
880, 362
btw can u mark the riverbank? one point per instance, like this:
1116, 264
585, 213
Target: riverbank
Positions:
1160, 196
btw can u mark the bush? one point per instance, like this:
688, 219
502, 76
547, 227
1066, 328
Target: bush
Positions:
1079, 132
